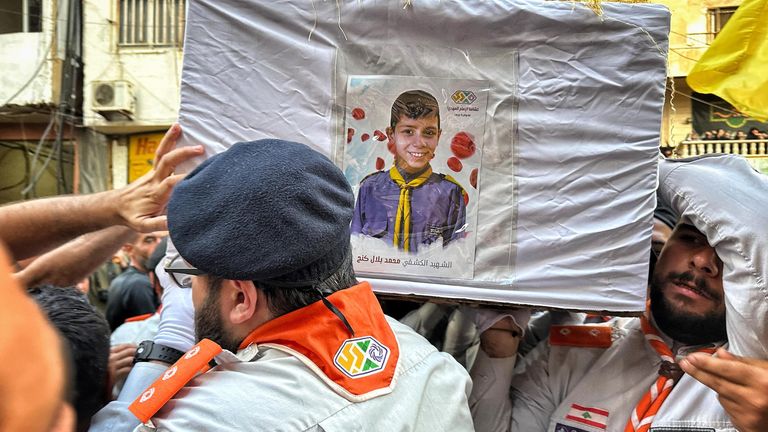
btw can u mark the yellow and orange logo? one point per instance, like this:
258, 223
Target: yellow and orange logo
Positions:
361, 357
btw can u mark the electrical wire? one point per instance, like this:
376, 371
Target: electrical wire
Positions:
34, 178
683, 56
689, 38
705, 102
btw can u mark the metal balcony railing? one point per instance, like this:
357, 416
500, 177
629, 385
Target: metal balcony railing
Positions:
742, 147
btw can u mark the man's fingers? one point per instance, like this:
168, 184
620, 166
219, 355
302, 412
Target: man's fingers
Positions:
168, 163
723, 354
168, 142
722, 387
122, 348
166, 187
157, 223
123, 361
760, 363
123, 371
726, 369
164, 190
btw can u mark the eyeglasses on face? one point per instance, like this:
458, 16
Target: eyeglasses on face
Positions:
181, 272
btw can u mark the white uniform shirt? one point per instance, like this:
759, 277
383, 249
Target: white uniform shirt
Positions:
724, 198
266, 389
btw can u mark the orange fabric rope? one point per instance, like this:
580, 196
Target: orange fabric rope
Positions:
669, 374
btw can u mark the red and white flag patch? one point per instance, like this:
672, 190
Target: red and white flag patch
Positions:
595, 417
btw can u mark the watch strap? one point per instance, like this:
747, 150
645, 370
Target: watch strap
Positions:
149, 350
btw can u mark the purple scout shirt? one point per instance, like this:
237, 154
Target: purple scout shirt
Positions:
437, 210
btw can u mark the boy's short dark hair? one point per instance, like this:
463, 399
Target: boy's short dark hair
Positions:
414, 104
86, 334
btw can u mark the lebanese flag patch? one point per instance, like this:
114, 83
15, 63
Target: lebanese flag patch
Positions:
595, 417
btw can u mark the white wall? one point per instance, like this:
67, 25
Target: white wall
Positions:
154, 73
21, 54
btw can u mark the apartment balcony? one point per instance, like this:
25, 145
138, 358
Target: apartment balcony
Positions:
748, 148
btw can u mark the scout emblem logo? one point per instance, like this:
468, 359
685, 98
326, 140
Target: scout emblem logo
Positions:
361, 357
463, 97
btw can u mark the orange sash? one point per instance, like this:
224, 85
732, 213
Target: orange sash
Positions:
669, 374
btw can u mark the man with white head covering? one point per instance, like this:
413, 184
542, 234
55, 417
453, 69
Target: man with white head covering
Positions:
708, 289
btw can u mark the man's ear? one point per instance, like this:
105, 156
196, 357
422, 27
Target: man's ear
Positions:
127, 248
242, 299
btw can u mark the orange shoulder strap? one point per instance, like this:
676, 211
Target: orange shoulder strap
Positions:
141, 317
584, 336
177, 376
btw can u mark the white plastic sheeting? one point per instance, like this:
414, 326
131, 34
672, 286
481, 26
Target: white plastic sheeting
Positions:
566, 190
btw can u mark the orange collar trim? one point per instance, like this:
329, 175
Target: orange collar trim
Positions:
359, 365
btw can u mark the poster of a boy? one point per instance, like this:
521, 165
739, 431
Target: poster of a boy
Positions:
410, 205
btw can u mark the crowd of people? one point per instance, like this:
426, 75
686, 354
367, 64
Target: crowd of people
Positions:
728, 135
240, 310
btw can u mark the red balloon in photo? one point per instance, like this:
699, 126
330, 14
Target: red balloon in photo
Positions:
466, 197
455, 164
391, 146
379, 135
358, 114
364, 137
463, 145
379, 164
473, 178
350, 134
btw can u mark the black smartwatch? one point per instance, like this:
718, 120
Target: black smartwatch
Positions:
149, 350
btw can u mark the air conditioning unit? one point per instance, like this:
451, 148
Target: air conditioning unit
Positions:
113, 99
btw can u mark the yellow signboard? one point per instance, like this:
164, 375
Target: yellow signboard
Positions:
141, 153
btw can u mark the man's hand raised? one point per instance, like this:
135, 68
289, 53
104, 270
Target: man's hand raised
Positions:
142, 204
33, 227
741, 384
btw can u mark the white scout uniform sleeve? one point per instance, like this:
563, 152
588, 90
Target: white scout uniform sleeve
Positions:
532, 402
115, 416
727, 200
489, 401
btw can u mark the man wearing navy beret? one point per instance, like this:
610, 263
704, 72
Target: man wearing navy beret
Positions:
288, 338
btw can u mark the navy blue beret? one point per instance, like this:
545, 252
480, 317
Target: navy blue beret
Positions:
270, 210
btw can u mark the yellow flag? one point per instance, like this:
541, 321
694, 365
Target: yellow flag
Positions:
735, 67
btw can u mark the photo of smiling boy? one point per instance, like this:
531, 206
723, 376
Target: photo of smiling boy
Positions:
409, 205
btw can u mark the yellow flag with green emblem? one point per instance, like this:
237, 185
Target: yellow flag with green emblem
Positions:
735, 67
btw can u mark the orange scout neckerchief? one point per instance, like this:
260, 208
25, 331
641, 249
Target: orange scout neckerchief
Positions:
359, 367
669, 374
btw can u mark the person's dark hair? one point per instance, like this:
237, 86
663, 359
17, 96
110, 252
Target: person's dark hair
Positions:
87, 335
414, 104
156, 256
282, 300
